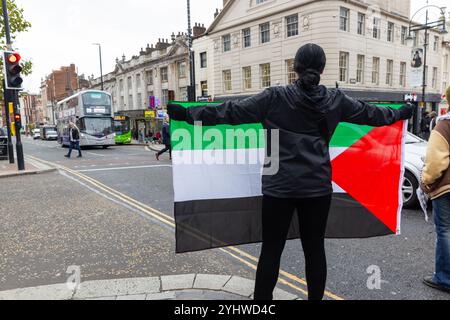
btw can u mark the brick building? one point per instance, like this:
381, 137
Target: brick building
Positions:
59, 85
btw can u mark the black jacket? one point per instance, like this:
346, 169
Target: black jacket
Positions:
75, 134
306, 121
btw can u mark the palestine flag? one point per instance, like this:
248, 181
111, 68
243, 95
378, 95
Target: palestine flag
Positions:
218, 192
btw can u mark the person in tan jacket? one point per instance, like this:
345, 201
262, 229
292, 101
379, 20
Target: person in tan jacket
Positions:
436, 183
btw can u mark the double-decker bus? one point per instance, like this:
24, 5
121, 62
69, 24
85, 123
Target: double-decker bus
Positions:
122, 128
92, 112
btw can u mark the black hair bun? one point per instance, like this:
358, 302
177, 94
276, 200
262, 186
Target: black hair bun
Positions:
309, 78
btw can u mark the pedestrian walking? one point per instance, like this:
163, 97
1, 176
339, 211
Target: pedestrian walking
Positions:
425, 126
436, 182
74, 136
306, 114
166, 140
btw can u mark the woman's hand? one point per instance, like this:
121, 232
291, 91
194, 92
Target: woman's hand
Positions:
177, 112
406, 112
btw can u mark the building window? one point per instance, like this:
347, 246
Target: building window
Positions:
376, 28
204, 88
164, 75
260, 1
121, 85
361, 23
130, 102
265, 75
360, 68
376, 70
226, 74
403, 74
165, 97
203, 60
264, 30
291, 74
247, 77
389, 71
436, 43
182, 69
149, 75
434, 79
404, 34
138, 81
139, 100
129, 83
292, 25
426, 75
246, 38
183, 94
226, 42
390, 32
343, 66
344, 19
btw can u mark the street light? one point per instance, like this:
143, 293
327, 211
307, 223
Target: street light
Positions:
416, 27
191, 91
101, 65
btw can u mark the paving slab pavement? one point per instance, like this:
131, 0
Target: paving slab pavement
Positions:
175, 287
31, 167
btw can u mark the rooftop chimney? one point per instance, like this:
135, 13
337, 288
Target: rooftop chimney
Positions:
199, 29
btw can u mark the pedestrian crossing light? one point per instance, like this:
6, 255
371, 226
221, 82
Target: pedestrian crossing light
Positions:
12, 70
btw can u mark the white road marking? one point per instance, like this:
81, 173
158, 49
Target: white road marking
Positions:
126, 168
96, 154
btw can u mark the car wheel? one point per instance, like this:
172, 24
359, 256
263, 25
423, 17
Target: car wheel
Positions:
409, 191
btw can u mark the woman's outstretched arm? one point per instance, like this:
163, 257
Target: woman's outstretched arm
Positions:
250, 110
359, 112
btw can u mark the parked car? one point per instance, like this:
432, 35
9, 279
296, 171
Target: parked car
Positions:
415, 152
36, 134
51, 135
48, 133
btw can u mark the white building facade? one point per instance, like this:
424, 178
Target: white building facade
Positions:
252, 43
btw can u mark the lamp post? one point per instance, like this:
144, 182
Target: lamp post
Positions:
101, 64
416, 27
191, 91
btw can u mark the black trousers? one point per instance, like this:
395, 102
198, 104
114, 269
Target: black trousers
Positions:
277, 217
167, 148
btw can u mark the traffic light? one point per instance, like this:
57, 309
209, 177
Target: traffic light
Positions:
18, 120
12, 68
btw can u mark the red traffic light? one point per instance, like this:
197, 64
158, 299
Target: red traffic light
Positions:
17, 118
14, 58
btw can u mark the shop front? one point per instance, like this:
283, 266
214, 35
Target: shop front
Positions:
144, 123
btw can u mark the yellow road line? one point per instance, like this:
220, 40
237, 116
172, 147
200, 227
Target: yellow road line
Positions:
170, 221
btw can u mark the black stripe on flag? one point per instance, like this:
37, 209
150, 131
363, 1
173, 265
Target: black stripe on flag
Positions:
209, 224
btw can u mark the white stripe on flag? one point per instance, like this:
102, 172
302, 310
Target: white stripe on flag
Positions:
212, 179
222, 174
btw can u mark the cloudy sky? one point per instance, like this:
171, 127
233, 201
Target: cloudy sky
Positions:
63, 31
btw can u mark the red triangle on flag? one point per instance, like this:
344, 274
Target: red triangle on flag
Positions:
370, 170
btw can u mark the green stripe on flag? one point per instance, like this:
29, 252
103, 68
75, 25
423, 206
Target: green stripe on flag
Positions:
347, 134
248, 136
220, 137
